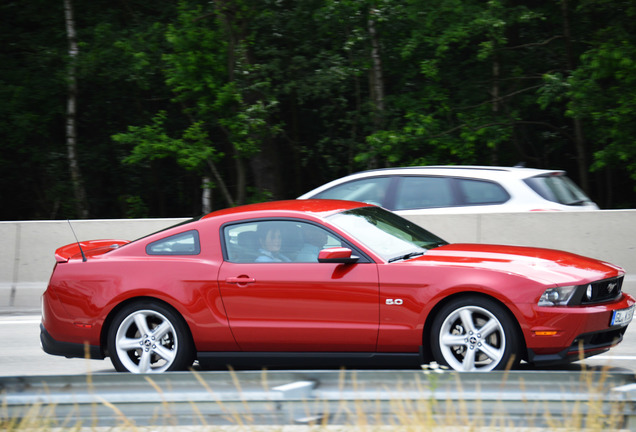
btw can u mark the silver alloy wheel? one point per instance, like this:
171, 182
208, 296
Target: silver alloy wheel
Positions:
146, 342
472, 339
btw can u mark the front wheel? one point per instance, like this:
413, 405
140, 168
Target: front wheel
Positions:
147, 337
475, 334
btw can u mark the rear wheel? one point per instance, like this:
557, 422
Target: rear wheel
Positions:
475, 334
148, 337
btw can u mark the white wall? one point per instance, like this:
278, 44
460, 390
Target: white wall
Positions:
26, 260
608, 235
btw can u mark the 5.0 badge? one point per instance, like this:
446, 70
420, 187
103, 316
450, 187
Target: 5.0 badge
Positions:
397, 302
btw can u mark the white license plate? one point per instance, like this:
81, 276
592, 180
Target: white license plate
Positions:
623, 316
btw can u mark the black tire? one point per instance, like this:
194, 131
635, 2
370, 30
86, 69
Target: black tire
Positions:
459, 342
149, 337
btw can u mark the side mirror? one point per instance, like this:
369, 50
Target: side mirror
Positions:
339, 255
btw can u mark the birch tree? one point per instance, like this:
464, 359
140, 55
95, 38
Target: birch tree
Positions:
81, 202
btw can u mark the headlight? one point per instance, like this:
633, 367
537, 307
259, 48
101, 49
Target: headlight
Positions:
559, 296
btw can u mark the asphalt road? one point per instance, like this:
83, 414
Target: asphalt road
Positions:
21, 354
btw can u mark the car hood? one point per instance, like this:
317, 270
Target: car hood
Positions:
88, 249
545, 265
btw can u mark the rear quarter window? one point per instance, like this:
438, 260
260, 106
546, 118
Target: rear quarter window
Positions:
186, 243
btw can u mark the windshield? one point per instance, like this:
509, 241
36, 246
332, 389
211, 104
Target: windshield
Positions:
385, 233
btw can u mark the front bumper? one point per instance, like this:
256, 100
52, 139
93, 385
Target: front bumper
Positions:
68, 349
583, 346
570, 333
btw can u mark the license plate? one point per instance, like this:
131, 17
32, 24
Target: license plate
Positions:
623, 316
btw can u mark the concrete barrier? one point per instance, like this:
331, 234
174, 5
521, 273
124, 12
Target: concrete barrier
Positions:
26, 260
608, 235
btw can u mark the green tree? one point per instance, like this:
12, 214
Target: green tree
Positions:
190, 105
469, 84
32, 85
602, 91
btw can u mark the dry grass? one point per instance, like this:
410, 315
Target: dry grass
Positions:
398, 414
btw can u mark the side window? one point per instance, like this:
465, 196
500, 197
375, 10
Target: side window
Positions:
482, 192
424, 192
369, 190
276, 241
186, 243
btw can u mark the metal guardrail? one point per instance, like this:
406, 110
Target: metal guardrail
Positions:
588, 399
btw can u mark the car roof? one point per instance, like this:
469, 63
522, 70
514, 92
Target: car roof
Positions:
493, 173
317, 207
465, 170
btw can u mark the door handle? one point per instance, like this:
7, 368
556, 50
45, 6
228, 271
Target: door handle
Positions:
240, 280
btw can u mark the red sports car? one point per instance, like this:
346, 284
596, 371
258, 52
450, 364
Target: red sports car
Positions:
323, 280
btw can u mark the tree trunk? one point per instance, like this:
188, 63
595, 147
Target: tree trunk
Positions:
217, 176
496, 102
267, 171
581, 159
206, 195
376, 80
81, 202
236, 27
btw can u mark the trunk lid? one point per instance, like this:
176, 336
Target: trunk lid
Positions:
90, 248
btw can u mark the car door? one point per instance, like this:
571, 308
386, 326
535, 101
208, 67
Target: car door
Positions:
283, 299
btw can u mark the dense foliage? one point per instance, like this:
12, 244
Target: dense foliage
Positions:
190, 105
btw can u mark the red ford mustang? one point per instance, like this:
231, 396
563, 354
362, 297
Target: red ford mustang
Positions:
322, 280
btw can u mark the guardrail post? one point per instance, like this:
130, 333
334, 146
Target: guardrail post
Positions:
627, 394
296, 390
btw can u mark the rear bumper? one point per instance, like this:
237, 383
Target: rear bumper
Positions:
68, 349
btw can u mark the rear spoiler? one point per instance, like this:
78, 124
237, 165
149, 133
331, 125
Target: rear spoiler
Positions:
89, 248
